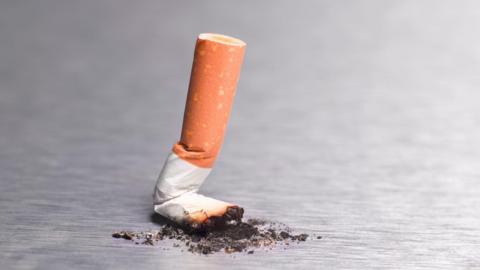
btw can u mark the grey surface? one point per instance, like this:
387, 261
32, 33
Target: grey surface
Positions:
355, 120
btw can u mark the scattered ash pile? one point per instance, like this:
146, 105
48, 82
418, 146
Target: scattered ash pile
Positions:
231, 237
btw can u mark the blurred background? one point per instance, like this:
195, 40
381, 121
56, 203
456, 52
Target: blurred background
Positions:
355, 120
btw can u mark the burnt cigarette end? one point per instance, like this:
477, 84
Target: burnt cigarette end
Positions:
233, 214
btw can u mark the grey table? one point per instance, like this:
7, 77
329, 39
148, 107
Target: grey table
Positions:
355, 120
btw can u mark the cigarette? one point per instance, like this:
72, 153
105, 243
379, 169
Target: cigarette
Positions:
213, 82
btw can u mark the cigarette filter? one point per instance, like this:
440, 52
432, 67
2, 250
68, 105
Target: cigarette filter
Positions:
213, 82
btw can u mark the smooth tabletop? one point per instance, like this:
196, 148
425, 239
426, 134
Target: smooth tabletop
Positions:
355, 120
